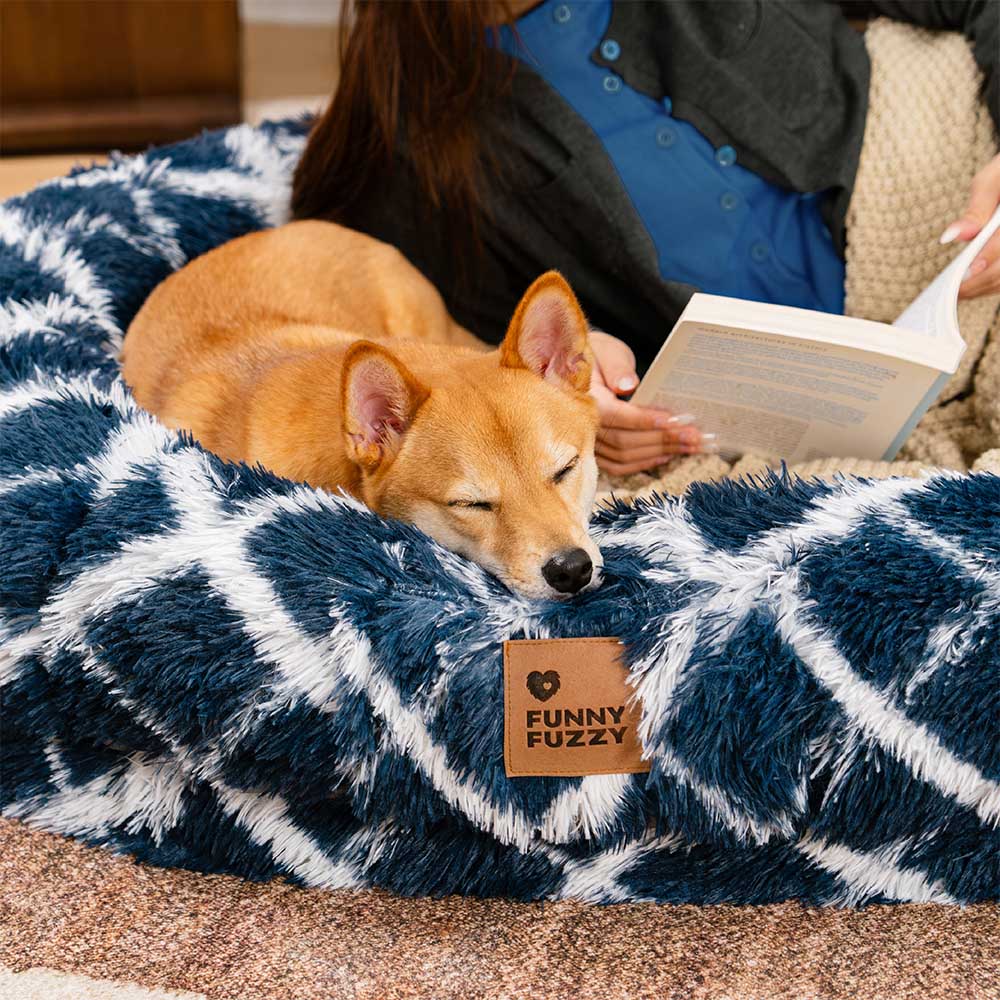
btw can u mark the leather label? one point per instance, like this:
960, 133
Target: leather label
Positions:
568, 709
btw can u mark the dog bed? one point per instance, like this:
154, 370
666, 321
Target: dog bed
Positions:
206, 666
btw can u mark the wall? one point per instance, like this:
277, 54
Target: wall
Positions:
290, 11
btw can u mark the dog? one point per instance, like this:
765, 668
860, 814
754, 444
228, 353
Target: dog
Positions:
325, 356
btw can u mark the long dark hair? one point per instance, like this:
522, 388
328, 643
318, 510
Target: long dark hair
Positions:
420, 73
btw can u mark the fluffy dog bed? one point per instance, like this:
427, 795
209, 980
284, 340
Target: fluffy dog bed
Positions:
209, 667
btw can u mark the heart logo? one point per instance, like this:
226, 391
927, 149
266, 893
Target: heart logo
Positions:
543, 686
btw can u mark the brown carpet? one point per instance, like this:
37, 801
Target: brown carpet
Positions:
83, 911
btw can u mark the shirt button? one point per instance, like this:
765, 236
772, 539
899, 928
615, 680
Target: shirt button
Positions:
725, 156
668, 105
729, 201
612, 84
759, 251
561, 14
610, 49
666, 137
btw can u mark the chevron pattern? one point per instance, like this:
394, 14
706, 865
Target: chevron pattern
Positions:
207, 666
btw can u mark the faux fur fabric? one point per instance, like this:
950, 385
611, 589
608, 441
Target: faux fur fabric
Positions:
209, 667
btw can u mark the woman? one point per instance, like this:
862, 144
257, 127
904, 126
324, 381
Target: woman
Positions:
646, 150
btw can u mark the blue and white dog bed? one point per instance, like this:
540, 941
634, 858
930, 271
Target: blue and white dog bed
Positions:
207, 666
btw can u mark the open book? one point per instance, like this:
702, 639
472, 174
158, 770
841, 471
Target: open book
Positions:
797, 384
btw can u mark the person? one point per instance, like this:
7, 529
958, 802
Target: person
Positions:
644, 149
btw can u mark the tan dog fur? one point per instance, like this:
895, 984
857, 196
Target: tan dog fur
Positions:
323, 355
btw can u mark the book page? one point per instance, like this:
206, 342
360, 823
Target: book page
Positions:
826, 328
784, 397
935, 310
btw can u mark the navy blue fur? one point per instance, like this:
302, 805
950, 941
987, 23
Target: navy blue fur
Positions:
965, 509
732, 513
75, 351
706, 874
49, 698
20, 431
36, 521
25, 774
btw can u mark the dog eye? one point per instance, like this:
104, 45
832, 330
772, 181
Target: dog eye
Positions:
565, 470
472, 504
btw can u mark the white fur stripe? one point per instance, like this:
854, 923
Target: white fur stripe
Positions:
266, 822
591, 807
31, 392
224, 183
146, 795
131, 449
48, 248
596, 879
46, 316
869, 874
24, 396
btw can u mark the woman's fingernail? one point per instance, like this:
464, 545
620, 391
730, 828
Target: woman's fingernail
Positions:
675, 420
705, 445
950, 233
689, 435
976, 267
626, 383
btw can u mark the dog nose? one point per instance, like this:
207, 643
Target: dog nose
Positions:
568, 571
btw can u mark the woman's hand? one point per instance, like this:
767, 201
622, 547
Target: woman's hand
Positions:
983, 276
633, 438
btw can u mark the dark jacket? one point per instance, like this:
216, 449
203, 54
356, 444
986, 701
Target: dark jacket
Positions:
785, 84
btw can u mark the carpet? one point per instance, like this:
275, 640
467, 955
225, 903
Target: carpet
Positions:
75, 915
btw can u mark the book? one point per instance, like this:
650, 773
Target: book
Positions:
795, 384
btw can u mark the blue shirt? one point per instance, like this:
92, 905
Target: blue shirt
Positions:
715, 224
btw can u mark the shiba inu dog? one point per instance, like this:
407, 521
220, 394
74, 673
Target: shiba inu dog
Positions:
323, 355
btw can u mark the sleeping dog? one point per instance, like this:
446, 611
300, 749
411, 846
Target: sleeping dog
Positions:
323, 355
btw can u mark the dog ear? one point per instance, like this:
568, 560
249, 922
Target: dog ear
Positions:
549, 334
379, 399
